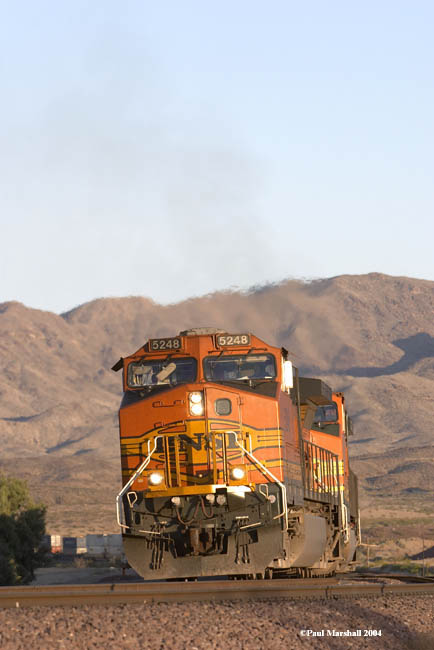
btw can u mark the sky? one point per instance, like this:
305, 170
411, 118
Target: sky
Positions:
173, 149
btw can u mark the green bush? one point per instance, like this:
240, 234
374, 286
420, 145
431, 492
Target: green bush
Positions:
22, 527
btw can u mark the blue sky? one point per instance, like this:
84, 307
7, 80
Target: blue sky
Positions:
171, 149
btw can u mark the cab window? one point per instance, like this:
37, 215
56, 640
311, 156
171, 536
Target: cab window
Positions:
239, 367
327, 413
158, 372
326, 419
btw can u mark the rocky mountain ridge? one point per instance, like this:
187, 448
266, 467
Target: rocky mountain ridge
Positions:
370, 335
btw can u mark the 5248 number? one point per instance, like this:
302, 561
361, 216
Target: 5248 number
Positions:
233, 339
165, 344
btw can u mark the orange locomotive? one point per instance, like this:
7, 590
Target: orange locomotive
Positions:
229, 466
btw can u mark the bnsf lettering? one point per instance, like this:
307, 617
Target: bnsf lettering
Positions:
196, 444
200, 442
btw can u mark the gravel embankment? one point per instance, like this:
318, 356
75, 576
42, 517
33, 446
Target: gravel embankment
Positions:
228, 625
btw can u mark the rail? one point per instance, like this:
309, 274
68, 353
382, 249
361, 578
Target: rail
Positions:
269, 474
177, 452
321, 474
135, 476
108, 594
171, 447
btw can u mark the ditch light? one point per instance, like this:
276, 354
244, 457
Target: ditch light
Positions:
196, 403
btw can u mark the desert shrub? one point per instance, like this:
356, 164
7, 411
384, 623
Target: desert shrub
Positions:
22, 527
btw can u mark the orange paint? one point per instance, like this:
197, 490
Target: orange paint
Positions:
198, 452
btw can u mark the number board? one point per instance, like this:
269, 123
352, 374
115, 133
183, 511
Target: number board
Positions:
232, 339
165, 344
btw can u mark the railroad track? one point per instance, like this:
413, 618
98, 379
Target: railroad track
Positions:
154, 592
393, 576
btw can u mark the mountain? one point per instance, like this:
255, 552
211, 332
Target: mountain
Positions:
371, 336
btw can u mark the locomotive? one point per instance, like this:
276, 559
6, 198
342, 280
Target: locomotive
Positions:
232, 464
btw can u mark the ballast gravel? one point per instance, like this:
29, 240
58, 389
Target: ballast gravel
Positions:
394, 622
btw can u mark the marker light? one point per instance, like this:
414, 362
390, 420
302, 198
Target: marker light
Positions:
156, 478
221, 499
237, 473
196, 403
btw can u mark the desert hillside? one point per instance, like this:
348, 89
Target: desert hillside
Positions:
371, 336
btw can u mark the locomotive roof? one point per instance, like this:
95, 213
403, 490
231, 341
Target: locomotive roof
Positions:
201, 331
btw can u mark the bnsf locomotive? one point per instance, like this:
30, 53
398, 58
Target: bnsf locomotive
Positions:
232, 464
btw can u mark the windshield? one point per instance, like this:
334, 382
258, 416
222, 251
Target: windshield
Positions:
161, 372
237, 367
328, 413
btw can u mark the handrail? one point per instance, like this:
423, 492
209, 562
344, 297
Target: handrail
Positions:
359, 528
299, 426
345, 524
267, 472
132, 479
321, 473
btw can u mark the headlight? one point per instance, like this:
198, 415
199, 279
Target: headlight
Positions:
196, 403
237, 473
196, 409
156, 478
